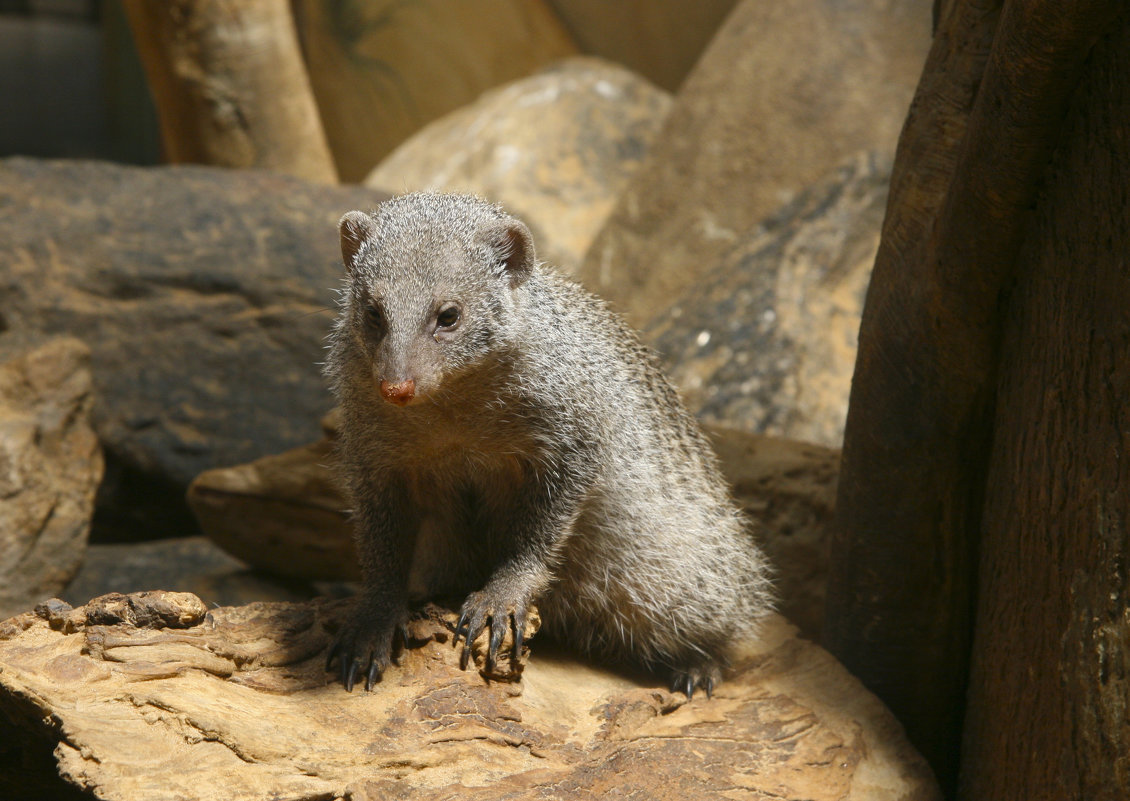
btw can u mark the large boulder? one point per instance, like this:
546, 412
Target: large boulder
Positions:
204, 296
785, 92
154, 696
50, 466
556, 149
765, 341
659, 39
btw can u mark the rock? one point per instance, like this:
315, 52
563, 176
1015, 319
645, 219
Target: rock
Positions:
204, 296
784, 93
383, 69
184, 564
659, 39
238, 707
788, 489
147, 610
766, 340
284, 513
556, 149
50, 466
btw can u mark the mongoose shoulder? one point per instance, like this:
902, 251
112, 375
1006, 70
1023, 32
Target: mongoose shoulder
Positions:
505, 435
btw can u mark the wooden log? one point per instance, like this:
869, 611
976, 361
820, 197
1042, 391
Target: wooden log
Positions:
1050, 675
153, 695
230, 85
980, 132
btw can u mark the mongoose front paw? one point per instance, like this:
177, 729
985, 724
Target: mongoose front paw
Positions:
364, 646
484, 608
704, 676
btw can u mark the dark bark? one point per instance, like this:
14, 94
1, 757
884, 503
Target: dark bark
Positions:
975, 146
1050, 679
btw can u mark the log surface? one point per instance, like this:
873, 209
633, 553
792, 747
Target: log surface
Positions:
234, 703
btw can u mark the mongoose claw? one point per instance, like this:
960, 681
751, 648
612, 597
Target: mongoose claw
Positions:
479, 613
519, 623
460, 629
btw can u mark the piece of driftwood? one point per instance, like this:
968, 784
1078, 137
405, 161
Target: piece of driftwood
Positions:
1050, 665
151, 695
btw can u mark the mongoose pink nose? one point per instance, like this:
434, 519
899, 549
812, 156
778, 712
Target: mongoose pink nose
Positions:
400, 393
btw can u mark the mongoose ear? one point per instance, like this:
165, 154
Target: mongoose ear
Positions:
355, 227
511, 240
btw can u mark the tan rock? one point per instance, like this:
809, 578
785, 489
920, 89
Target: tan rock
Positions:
284, 513
659, 39
784, 93
238, 706
50, 466
556, 149
383, 69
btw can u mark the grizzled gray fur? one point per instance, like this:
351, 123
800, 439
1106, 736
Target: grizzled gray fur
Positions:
506, 437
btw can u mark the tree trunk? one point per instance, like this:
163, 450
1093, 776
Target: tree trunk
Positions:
1050, 680
230, 85
981, 129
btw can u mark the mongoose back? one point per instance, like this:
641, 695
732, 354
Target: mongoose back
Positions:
506, 435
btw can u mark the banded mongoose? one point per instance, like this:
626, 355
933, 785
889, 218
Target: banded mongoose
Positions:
505, 435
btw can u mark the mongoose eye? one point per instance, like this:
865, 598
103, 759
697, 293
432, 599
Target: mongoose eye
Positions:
373, 317
448, 317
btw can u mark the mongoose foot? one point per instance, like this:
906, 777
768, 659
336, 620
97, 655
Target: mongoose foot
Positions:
364, 646
484, 608
704, 676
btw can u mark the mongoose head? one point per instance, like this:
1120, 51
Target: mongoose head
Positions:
430, 280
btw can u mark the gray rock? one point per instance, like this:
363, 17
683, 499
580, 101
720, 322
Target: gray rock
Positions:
556, 149
50, 465
182, 564
766, 341
203, 295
